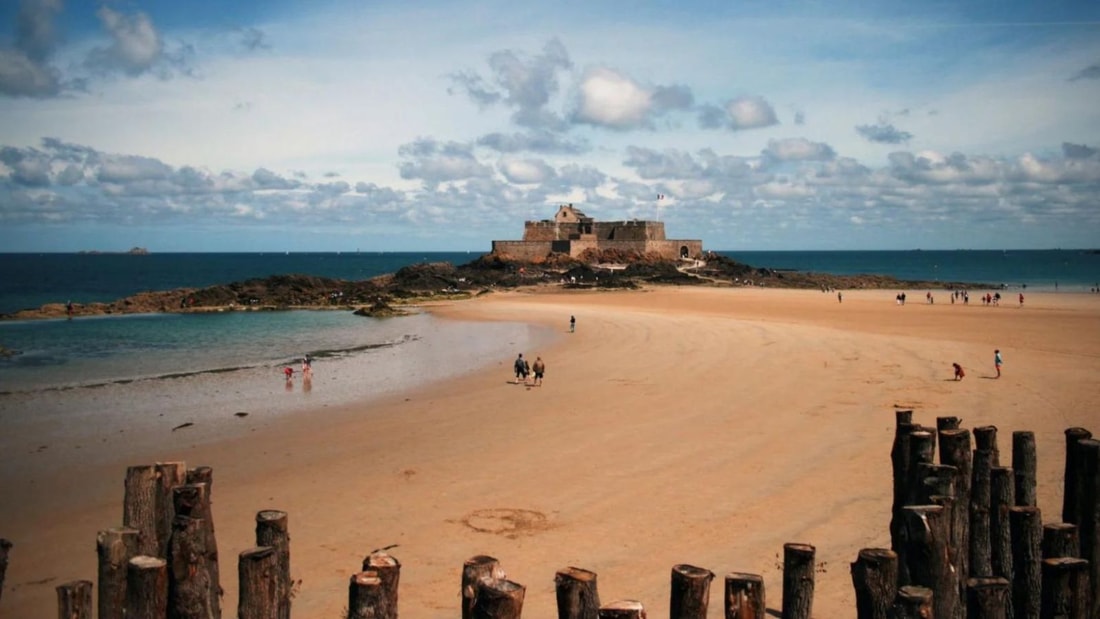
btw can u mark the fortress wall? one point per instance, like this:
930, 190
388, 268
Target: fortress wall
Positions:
629, 230
578, 247
671, 248
522, 250
540, 231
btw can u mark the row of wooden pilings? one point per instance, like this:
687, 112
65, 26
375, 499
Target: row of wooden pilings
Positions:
967, 542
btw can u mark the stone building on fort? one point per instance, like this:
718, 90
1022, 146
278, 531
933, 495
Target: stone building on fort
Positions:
571, 232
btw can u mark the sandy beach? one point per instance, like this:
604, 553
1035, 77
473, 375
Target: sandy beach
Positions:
677, 425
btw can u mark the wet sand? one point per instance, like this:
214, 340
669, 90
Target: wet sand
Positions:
701, 426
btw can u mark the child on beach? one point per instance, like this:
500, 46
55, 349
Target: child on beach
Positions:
997, 362
959, 373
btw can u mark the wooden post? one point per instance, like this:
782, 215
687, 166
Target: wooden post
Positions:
498, 599
1071, 494
899, 458
1065, 592
1027, 535
388, 569
5, 548
201, 475
474, 570
929, 563
875, 579
935, 480
190, 594
955, 451
1002, 498
169, 475
1024, 463
1089, 514
980, 498
690, 592
365, 596
623, 609
74, 600
577, 594
922, 449
257, 575
914, 603
139, 507
271, 531
1060, 540
986, 598
947, 423
985, 437
114, 549
745, 596
798, 580
147, 587
193, 501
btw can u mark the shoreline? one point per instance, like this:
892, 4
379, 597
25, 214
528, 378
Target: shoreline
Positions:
673, 427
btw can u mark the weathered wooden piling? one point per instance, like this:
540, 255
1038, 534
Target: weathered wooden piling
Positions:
388, 569
875, 579
5, 548
899, 458
1026, 524
623, 609
955, 451
689, 595
193, 501
987, 598
191, 594
139, 507
745, 596
1002, 497
1089, 515
935, 480
146, 587
914, 603
365, 596
1071, 483
947, 422
922, 449
1065, 593
1024, 463
929, 562
114, 549
474, 570
498, 599
271, 531
577, 593
1060, 540
798, 580
985, 437
257, 576
74, 600
981, 560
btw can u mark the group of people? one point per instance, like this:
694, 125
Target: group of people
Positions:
307, 369
525, 370
998, 361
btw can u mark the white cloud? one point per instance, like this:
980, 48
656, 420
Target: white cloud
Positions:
608, 98
525, 171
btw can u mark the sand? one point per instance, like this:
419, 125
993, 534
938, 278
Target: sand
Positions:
699, 426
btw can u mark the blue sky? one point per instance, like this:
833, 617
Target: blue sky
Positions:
382, 126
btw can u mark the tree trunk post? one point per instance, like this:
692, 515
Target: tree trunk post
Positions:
1071, 494
947, 423
745, 596
934, 480
5, 548
1002, 498
913, 603
74, 600
365, 596
147, 587
1065, 592
1027, 536
1024, 463
623, 609
114, 549
690, 592
922, 449
169, 475
985, 437
955, 451
798, 580
388, 569
577, 594
981, 559
139, 507
1089, 521
1060, 540
498, 599
193, 501
474, 570
271, 531
899, 458
258, 582
986, 598
875, 579
190, 591
929, 562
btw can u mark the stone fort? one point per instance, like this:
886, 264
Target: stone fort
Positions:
572, 232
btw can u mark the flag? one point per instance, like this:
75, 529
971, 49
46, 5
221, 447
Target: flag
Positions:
660, 196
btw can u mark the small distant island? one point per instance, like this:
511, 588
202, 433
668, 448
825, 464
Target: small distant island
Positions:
133, 251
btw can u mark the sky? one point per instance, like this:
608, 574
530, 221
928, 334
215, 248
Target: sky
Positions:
340, 125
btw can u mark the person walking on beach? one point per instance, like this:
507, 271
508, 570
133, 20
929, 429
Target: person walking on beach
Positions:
1021, 299
959, 373
520, 366
572, 324
997, 362
839, 297
539, 369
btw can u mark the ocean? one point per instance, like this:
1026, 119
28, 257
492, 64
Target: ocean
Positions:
160, 361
